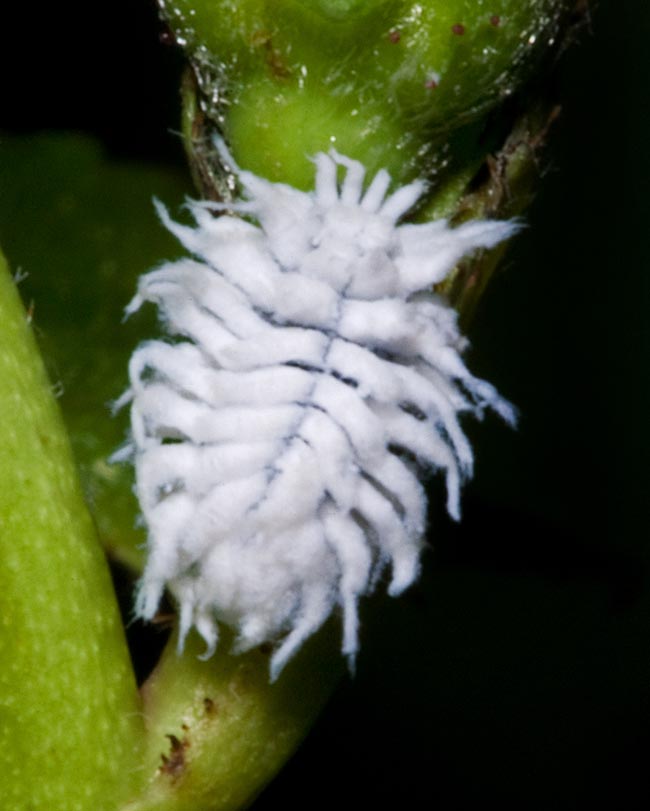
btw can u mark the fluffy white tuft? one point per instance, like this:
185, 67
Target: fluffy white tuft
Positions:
278, 440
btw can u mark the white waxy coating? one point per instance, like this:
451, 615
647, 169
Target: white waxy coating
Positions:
277, 445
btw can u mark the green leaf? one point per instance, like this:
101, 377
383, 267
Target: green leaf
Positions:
81, 228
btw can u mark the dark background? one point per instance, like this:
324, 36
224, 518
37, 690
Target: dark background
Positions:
518, 671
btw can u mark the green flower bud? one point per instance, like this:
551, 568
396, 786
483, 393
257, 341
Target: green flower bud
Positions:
401, 85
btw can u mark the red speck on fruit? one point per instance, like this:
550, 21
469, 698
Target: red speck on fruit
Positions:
431, 84
495, 20
394, 36
458, 29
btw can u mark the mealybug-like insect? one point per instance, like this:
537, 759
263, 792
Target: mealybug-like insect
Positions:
277, 439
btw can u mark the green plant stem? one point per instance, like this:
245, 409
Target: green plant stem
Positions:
218, 731
70, 728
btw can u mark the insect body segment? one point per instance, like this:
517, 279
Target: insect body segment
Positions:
277, 442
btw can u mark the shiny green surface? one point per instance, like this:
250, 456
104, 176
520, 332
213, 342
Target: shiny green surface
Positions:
390, 83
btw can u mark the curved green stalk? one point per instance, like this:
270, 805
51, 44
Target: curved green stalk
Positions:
70, 728
218, 731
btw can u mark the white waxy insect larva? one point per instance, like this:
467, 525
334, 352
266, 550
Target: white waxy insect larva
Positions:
277, 444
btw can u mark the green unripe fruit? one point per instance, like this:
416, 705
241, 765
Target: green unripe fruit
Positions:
389, 83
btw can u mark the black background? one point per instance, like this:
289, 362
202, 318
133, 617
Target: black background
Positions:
518, 671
